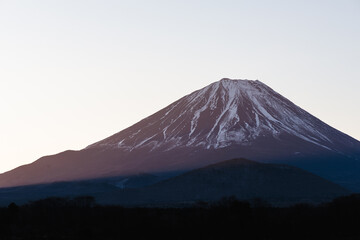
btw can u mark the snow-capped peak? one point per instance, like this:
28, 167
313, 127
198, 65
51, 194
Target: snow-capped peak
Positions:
223, 113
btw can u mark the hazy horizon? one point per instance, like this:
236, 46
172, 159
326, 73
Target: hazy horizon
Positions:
75, 72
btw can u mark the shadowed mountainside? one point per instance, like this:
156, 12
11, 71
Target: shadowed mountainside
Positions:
280, 185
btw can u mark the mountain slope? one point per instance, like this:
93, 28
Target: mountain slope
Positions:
227, 119
224, 113
277, 184
246, 180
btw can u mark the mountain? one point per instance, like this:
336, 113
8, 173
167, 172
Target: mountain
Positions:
280, 185
227, 119
277, 184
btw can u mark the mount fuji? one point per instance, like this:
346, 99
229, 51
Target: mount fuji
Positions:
225, 120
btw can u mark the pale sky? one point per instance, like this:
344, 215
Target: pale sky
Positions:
74, 72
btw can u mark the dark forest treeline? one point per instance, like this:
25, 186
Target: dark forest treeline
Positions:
81, 218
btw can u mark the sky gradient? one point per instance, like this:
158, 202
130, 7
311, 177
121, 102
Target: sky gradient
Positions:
75, 72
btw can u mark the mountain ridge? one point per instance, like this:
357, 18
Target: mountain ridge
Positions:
240, 90
280, 185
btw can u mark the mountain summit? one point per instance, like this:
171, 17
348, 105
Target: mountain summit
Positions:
227, 119
224, 113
